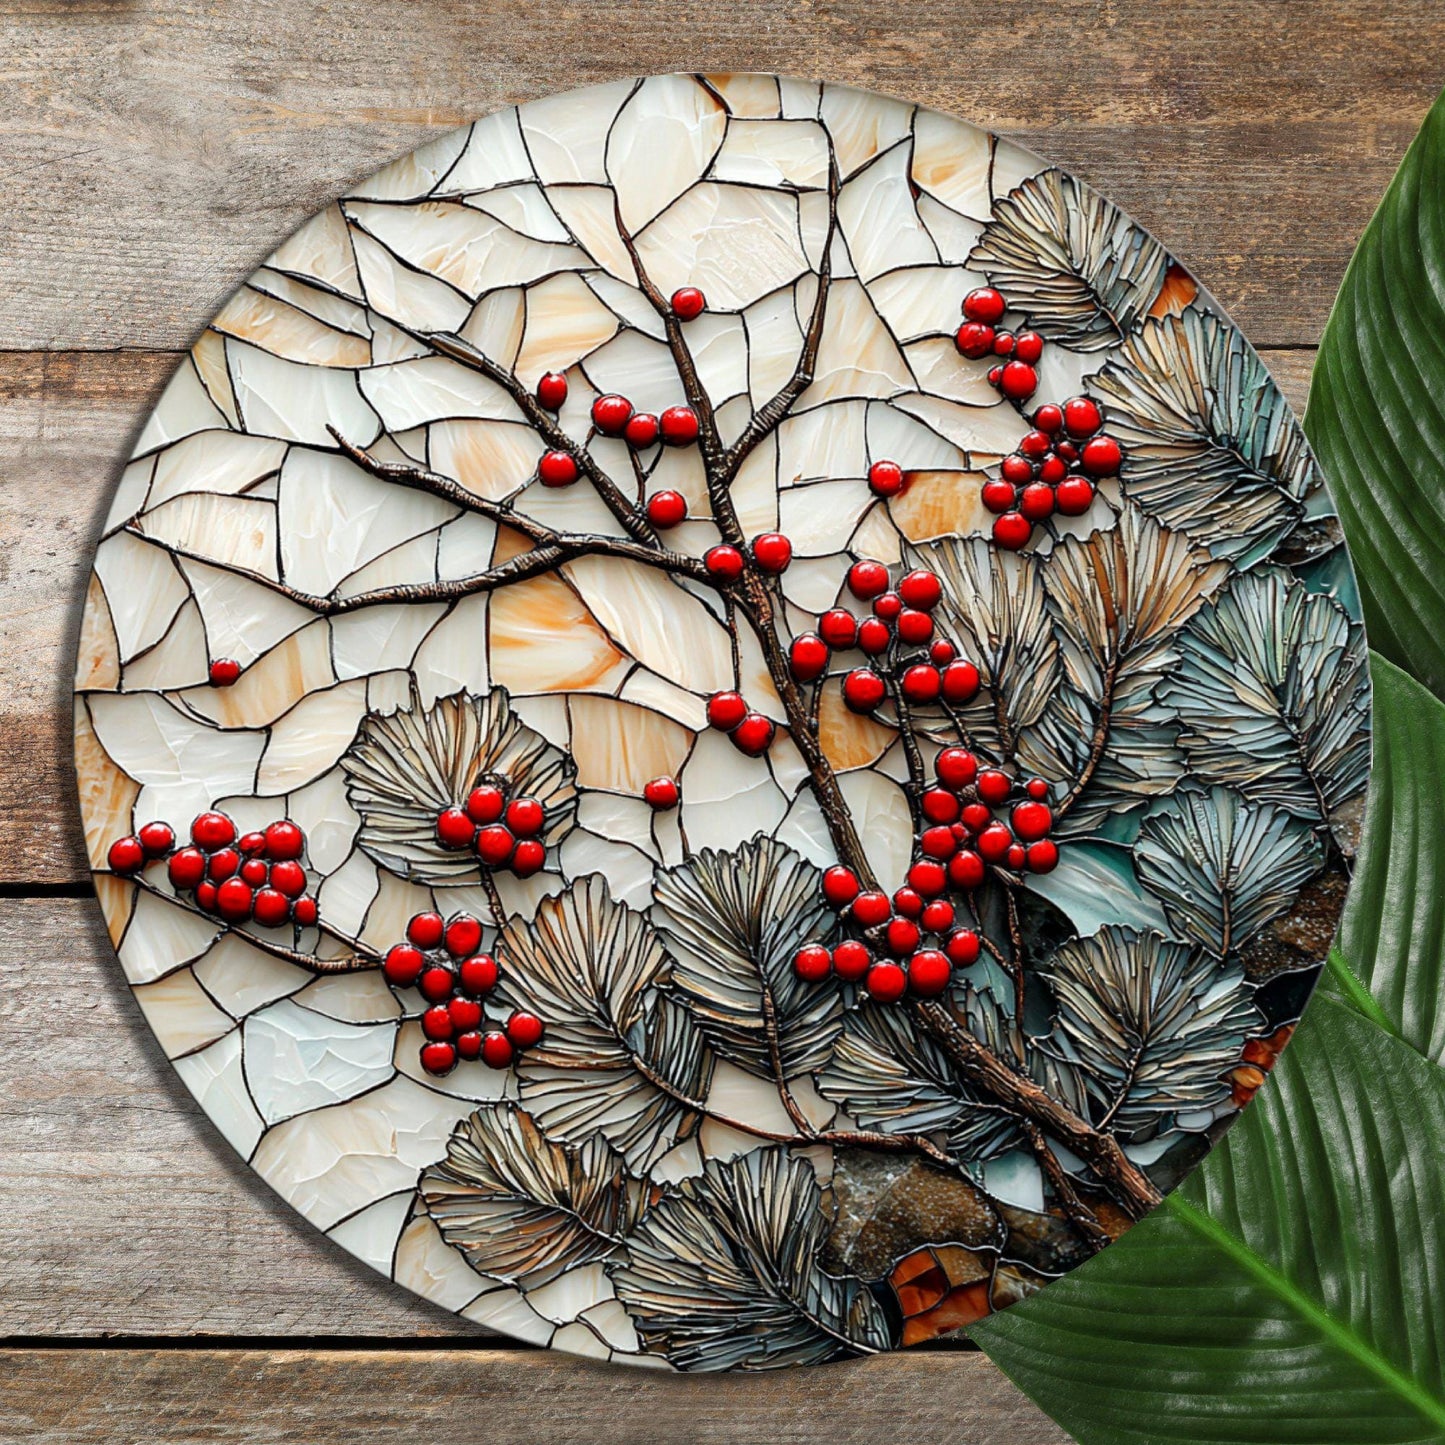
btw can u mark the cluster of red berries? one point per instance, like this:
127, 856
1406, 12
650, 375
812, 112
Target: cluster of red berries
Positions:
256, 875
751, 732
502, 831
899, 636
443, 960
980, 335
1054, 469
771, 552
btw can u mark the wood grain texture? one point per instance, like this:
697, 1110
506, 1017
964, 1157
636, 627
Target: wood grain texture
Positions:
68, 420
155, 153
410, 1397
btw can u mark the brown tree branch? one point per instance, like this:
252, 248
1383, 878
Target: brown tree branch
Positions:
1084, 1220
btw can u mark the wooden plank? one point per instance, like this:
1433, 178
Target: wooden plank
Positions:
68, 418
414, 1397
156, 153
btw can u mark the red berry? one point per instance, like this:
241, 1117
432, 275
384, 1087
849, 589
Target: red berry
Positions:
436, 1023
921, 589
272, 908
928, 877
942, 653
956, 768
455, 829
186, 868
466, 1013
126, 855
213, 830
902, 936
938, 916
888, 606
1037, 789
1016, 469
976, 817
874, 635
840, 885
610, 414
938, 806
1074, 497
478, 974
772, 552
908, 902
838, 628
753, 735
252, 844
556, 469
666, 509
1082, 417
863, 690
994, 372
688, 303
998, 496
984, 304
1029, 346
885, 479
224, 671
661, 794
436, 983
524, 1030
1036, 446
723, 562
1003, 343
402, 965
525, 817
234, 900
1101, 457
1037, 502
285, 841
851, 960
206, 895
725, 710
808, 657
1049, 418
886, 982
255, 871
224, 864
928, 973
157, 839
994, 842
1031, 821
1018, 381
304, 912
1043, 856
993, 787
679, 426
867, 580
552, 391
1012, 530
973, 340
960, 682
871, 909
495, 845
289, 877
496, 1050
641, 430
965, 869
963, 947
463, 935
426, 930
438, 1058
468, 1045
1016, 856
485, 803
812, 963
921, 683
938, 842
1067, 450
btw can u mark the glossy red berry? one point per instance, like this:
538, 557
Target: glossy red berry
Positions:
661, 794
1012, 531
1018, 381
938, 842
495, 845
840, 885
234, 900
285, 841
808, 657
867, 580
255, 871
914, 627
524, 1029
186, 867
1017, 855
466, 1013
206, 895
224, 863
1037, 502
974, 340
921, 684
753, 735
908, 902
928, 973
1082, 417
252, 845
956, 768
928, 877
1100, 456
1037, 789
1074, 497
851, 960
874, 635
485, 803
641, 431
993, 787
213, 830
666, 509
887, 606
942, 653
994, 843
463, 936
1043, 856
455, 829
289, 877
679, 426
885, 478
1067, 450
157, 839
938, 805
1003, 343
552, 391
556, 469
468, 1045
937, 917
984, 304
921, 589
999, 496
886, 982
304, 912
426, 930
1029, 346
976, 817
725, 710
994, 372
871, 908
960, 683
1016, 469
402, 965
688, 303
436, 1023
723, 562
497, 1050
438, 1058
271, 908
224, 671
965, 869
1032, 820
963, 947
525, 817
1036, 446
610, 414
863, 690
902, 936
772, 552
812, 963
436, 983
838, 628
1049, 418
478, 974
126, 856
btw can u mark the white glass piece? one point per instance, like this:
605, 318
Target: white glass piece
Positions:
223, 462
371, 1234
185, 407
627, 870
951, 161
214, 1077
181, 1014
566, 135
413, 393
613, 1325
726, 797
664, 138
235, 532
622, 747
543, 639
291, 671
281, 398
747, 94
453, 656
1015, 1179
494, 155
355, 998
377, 638
524, 209
819, 518
143, 590
1012, 166
566, 323
417, 302
953, 234
417, 174
427, 1264
242, 978
881, 815
862, 124
320, 250
276, 326
346, 894
161, 936
244, 619
776, 153
590, 214
879, 221
858, 356
507, 1310
567, 1296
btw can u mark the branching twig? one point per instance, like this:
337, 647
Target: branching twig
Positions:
1080, 1215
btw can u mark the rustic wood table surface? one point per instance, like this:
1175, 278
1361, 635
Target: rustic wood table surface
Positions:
152, 1289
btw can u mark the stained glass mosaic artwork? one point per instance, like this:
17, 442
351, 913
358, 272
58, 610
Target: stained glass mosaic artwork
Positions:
721, 722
